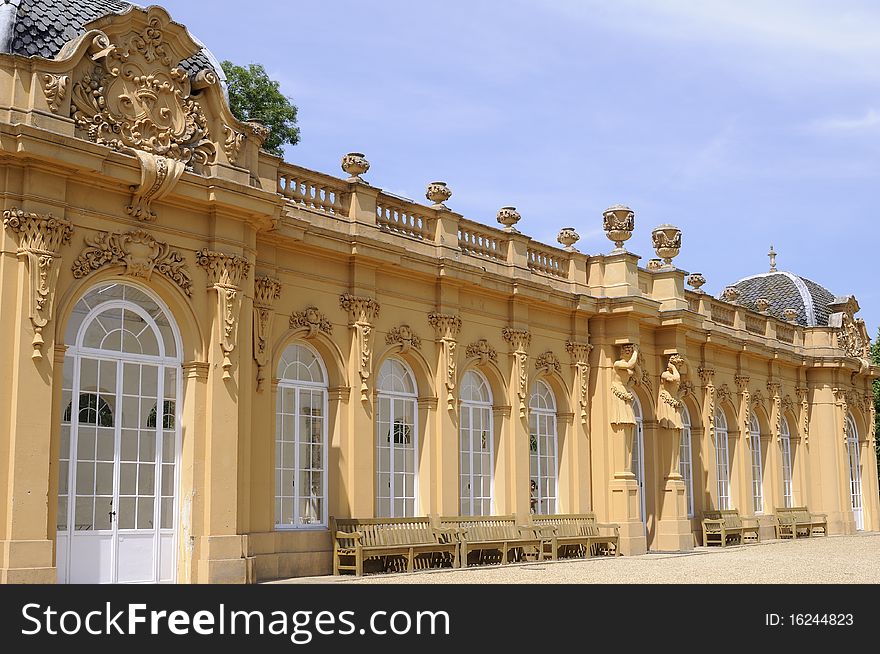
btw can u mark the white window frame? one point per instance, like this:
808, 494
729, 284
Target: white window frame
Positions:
722, 460
544, 429
298, 387
469, 498
757, 465
685, 461
396, 402
787, 480
855, 472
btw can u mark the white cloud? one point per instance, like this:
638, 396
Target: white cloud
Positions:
869, 121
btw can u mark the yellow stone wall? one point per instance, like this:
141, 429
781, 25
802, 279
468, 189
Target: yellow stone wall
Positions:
319, 252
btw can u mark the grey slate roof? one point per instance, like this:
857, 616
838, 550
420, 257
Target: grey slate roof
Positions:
786, 290
42, 27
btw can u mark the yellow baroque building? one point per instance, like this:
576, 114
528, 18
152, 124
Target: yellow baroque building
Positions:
208, 351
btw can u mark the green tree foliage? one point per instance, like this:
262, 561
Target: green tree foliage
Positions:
254, 96
875, 359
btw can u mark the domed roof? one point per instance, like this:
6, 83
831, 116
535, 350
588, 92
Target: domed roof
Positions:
785, 290
41, 28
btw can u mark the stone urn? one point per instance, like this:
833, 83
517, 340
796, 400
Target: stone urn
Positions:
654, 264
763, 304
730, 294
791, 315
508, 216
567, 238
619, 222
355, 164
667, 242
438, 193
696, 281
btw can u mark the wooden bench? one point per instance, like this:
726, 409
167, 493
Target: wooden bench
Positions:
797, 520
357, 539
578, 533
725, 527
495, 539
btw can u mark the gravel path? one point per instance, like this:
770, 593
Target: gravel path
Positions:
835, 559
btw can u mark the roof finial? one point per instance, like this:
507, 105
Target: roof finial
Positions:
772, 255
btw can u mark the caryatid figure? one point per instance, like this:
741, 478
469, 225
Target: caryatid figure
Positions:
669, 406
622, 414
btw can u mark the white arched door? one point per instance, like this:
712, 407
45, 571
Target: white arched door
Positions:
119, 440
855, 472
476, 470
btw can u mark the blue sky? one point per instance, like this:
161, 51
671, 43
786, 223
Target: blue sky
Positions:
745, 123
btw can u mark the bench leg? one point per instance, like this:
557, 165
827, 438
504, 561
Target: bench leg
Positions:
503, 553
359, 563
335, 561
409, 560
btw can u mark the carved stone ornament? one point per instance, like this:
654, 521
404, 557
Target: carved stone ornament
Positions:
362, 311
159, 175
745, 411
355, 164
723, 393
266, 291
232, 142
519, 340
776, 412
438, 193
567, 237
619, 222
667, 243
802, 395
696, 281
730, 294
548, 362
509, 217
138, 251
446, 328
135, 97
852, 337
40, 238
225, 274
404, 337
654, 264
55, 88
482, 351
763, 304
580, 356
313, 320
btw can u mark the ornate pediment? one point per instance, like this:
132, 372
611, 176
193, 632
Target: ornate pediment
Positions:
135, 97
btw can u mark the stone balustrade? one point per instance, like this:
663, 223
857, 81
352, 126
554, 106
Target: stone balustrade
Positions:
312, 190
550, 261
478, 240
403, 217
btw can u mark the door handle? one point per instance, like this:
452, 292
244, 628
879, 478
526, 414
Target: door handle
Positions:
112, 514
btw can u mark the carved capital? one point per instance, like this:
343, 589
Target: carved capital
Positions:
519, 339
579, 352
40, 238
803, 398
223, 269
405, 337
266, 291
360, 308
445, 325
706, 375
742, 383
139, 252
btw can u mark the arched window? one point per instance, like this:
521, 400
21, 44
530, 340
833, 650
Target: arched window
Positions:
543, 446
638, 454
477, 460
686, 461
785, 443
722, 462
757, 465
301, 439
118, 460
396, 441
855, 472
